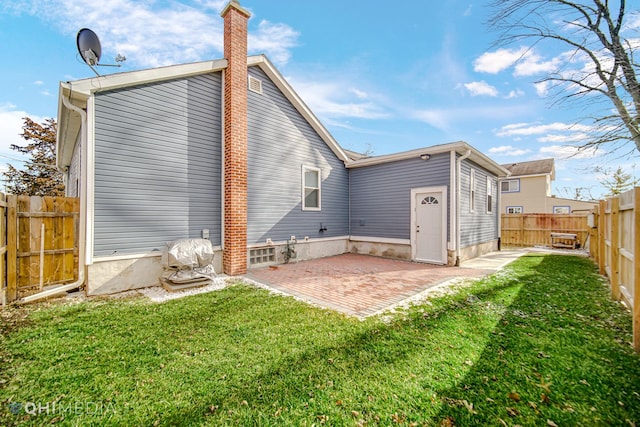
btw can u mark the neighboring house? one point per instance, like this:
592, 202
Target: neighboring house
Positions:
227, 150
528, 190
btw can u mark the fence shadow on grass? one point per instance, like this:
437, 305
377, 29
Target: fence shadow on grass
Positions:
561, 352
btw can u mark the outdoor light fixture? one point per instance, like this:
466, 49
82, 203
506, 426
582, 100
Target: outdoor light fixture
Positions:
425, 157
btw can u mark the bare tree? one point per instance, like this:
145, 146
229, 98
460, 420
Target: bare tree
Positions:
599, 41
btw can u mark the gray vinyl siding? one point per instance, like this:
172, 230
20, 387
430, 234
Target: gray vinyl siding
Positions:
72, 187
280, 142
478, 226
381, 194
157, 164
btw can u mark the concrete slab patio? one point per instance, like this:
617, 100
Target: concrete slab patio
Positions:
363, 285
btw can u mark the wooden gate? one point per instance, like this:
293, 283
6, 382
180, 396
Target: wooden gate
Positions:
41, 249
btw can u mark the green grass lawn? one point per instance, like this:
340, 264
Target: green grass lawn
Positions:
539, 343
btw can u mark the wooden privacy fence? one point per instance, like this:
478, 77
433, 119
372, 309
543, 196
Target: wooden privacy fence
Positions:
616, 250
3, 249
41, 249
535, 229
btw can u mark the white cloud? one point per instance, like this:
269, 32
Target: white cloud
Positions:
526, 62
565, 139
439, 119
336, 99
532, 64
508, 150
528, 129
274, 39
566, 152
446, 118
517, 93
495, 62
11, 121
215, 5
481, 88
38, 83
152, 34
542, 88
359, 93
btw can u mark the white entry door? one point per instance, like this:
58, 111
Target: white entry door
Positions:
429, 222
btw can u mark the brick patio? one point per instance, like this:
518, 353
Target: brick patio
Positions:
359, 285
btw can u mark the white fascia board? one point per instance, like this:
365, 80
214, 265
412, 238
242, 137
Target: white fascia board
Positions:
405, 155
277, 78
534, 175
63, 155
459, 147
151, 75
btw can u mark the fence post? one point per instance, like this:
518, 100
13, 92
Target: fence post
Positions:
593, 235
12, 248
601, 237
636, 270
3, 249
615, 249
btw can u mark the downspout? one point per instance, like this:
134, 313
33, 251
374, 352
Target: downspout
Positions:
458, 169
82, 229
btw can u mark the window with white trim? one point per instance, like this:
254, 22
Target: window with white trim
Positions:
472, 191
510, 186
311, 188
561, 209
514, 209
489, 195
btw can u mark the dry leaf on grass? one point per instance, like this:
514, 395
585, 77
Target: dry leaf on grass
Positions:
514, 396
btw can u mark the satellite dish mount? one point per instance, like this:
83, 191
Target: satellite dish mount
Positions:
90, 50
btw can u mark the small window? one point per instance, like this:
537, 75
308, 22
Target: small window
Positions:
561, 209
255, 85
514, 209
472, 191
510, 186
311, 193
489, 195
429, 200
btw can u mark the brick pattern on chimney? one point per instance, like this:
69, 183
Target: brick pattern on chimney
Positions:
234, 258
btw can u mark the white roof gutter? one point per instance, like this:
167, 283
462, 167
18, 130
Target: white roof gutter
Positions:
83, 217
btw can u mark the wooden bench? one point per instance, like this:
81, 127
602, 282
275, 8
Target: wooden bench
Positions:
564, 240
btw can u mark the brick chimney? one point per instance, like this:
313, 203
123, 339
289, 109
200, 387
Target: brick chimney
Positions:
234, 259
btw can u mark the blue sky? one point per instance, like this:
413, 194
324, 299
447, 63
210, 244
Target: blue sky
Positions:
381, 76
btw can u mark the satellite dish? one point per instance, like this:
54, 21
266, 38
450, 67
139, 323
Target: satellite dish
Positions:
89, 46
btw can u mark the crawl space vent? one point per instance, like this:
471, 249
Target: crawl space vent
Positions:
262, 256
255, 85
